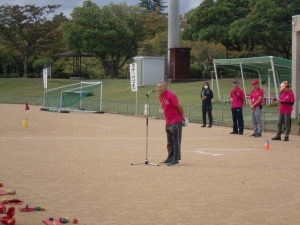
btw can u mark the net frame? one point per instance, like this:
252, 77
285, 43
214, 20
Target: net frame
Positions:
82, 85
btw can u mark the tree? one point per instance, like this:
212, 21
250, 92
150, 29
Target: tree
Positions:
203, 54
111, 34
268, 24
6, 56
211, 22
52, 43
153, 5
156, 34
23, 26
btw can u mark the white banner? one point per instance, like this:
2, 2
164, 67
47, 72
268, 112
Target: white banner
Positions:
45, 76
133, 76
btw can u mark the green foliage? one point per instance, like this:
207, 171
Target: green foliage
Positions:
24, 26
153, 5
195, 72
241, 25
211, 21
7, 76
30, 75
111, 33
268, 24
60, 75
39, 63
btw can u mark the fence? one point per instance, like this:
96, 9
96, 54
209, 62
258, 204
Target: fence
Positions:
221, 115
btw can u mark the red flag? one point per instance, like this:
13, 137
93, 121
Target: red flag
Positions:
27, 106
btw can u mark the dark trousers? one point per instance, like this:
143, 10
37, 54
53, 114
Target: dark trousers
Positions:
286, 120
207, 108
174, 132
237, 119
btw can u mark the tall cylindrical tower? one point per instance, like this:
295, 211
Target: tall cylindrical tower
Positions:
173, 27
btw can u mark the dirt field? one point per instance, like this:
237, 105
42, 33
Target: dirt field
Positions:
79, 165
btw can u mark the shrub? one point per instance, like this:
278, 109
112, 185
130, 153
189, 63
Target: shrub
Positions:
195, 71
60, 75
30, 75
122, 76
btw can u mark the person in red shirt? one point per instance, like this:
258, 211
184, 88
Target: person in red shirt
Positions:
237, 96
256, 100
285, 107
174, 116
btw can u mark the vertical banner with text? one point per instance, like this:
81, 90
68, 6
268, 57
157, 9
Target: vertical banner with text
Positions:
45, 76
133, 76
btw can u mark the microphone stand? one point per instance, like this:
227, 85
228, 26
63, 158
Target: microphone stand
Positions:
146, 162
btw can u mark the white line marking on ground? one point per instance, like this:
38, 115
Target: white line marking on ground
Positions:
96, 138
208, 153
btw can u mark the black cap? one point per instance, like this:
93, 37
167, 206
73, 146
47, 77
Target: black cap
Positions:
235, 81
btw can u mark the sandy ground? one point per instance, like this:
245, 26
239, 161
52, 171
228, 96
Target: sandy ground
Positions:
79, 165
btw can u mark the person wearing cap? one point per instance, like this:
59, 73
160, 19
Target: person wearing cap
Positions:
174, 116
285, 107
256, 100
206, 96
237, 96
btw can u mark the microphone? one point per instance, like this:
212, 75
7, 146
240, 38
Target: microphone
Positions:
150, 92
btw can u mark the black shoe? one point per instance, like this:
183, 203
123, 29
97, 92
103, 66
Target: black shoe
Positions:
167, 161
203, 126
209, 126
253, 135
286, 138
233, 132
174, 163
276, 138
240, 133
258, 135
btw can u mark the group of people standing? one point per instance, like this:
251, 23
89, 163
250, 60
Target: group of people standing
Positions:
174, 113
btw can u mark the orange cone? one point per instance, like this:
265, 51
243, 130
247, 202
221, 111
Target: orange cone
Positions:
267, 145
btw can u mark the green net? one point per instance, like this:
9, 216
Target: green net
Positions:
69, 97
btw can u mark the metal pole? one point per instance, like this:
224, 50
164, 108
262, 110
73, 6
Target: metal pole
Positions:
212, 81
242, 73
60, 100
217, 81
269, 88
100, 103
136, 103
221, 116
273, 70
80, 96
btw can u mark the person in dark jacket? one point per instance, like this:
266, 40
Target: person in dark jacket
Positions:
206, 96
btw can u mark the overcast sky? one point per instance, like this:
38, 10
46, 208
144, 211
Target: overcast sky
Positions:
68, 5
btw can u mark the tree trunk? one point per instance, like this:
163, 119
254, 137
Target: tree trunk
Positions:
25, 66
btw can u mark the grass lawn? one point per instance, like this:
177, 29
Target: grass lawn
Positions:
119, 90
188, 93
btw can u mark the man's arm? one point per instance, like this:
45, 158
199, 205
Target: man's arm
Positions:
180, 109
255, 104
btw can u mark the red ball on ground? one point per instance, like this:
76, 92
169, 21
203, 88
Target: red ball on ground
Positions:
1, 184
75, 220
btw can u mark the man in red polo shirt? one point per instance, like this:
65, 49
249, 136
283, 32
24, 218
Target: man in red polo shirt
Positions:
285, 107
256, 100
174, 116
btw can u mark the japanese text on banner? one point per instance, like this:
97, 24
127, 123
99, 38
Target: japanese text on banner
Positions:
45, 76
133, 76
